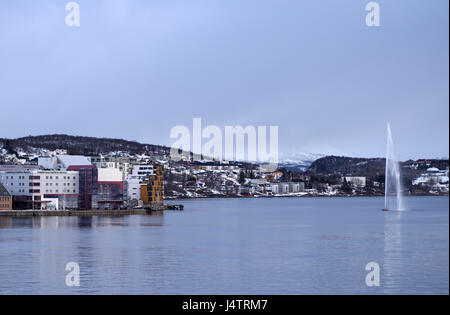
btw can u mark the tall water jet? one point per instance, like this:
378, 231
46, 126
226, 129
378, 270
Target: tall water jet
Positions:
393, 199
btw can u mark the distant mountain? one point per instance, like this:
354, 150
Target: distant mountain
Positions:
347, 165
77, 145
370, 166
298, 161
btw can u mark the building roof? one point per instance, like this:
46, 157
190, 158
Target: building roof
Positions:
17, 167
73, 160
4, 192
109, 175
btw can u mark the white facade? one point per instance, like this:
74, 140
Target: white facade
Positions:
274, 188
57, 182
121, 163
47, 162
134, 188
294, 187
16, 183
356, 181
142, 170
283, 188
109, 175
134, 180
432, 177
62, 162
42, 185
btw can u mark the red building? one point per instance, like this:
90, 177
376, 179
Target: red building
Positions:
110, 188
88, 185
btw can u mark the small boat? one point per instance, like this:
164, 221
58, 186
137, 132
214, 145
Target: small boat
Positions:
384, 209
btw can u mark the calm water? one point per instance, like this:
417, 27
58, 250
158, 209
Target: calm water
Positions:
235, 246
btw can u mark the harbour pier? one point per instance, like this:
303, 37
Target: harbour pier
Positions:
148, 210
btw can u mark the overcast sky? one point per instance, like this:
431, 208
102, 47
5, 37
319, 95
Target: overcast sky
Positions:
135, 69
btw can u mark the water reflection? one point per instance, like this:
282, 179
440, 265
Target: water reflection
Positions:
273, 246
45, 222
393, 253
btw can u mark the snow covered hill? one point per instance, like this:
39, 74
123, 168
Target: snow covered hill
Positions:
298, 161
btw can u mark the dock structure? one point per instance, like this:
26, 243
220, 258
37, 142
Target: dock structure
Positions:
148, 210
175, 207
49, 213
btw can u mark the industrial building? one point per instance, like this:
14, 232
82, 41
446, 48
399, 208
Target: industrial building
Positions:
110, 188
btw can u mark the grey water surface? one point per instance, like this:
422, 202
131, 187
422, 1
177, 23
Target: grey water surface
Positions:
235, 246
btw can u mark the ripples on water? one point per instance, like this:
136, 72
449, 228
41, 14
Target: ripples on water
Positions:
235, 246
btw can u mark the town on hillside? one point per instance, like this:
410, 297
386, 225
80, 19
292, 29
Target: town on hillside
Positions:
51, 178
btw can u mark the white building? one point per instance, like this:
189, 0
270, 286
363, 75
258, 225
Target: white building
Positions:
56, 182
47, 162
274, 188
109, 174
356, 181
294, 187
437, 179
119, 162
62, 162
134, 180
283, 188
16, 183
39, 186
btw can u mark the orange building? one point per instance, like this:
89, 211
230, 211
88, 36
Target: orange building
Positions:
152, 188
5, 199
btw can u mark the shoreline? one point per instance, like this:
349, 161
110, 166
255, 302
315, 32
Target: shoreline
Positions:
77, 213
298, 196
158, 210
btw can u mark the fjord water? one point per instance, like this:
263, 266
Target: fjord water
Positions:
235, 246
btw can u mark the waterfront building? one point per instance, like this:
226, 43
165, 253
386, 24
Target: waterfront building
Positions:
18, 167
5, 199
38, 188
110, 188
133, 188
58, 189
17, 183
272, 188
294, 187
435, 179
152, 188
283, 188
135, 179
355, 181
88, 186
123, 163
246, 190
301, 186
